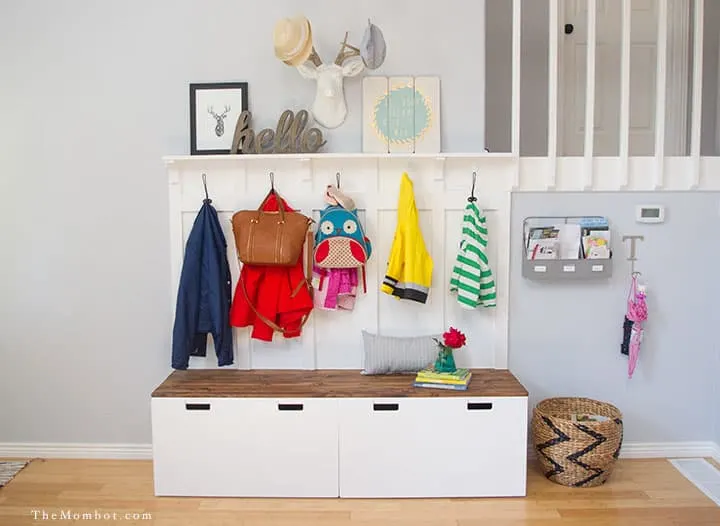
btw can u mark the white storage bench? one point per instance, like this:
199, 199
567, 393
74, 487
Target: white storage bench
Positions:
337, 433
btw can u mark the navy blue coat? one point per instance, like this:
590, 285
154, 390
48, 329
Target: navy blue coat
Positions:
204, 293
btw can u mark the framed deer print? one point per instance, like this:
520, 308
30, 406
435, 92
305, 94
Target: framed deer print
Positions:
214, 110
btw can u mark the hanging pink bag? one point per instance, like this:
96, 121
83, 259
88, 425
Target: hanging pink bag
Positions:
637, 313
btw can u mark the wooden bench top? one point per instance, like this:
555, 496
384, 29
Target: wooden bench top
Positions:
326, 383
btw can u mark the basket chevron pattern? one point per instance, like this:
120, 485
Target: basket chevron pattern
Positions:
578, 454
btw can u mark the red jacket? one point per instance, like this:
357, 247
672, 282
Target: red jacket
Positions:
270, 289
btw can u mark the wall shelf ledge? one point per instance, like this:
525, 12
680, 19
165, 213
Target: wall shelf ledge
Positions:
172, 159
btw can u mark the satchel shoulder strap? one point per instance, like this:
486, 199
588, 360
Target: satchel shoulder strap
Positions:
274, 326
309, 240
307, 282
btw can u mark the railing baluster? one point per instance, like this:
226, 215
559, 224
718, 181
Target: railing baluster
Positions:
516, 52
660, 93
553, 92
696, 134
625, 93
590, 93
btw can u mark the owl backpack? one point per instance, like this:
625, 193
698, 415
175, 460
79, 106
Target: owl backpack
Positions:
340, 241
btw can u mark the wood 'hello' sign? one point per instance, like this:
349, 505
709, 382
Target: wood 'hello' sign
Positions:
290, 135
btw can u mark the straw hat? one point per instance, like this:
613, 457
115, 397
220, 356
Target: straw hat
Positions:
292, 38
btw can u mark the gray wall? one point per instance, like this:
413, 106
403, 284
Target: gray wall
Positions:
716, 397
565, 337
715, 407
93, 94
534, 77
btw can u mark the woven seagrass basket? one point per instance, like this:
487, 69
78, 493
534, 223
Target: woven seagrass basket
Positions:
576, 453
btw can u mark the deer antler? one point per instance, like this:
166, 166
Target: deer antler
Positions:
315, 58
344, 55
210, 111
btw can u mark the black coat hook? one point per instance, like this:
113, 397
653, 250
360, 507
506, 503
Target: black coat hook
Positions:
337, 179
272, 182
207, 197
472, 197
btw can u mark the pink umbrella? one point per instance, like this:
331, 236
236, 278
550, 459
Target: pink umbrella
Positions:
637, 313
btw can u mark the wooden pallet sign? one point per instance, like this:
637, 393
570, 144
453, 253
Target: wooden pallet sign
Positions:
401, 114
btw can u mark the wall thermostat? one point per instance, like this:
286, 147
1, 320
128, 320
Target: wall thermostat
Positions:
650, 214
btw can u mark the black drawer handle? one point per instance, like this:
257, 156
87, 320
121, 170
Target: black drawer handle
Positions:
197, 407
386, 407
479, 406
290, 407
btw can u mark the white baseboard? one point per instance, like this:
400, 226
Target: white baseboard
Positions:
716, 452
144, 451
71, 450
668, 449
664, 450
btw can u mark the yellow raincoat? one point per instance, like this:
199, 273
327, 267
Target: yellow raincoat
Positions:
409, 269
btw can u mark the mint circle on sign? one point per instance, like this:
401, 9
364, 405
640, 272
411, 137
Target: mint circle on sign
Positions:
402, 115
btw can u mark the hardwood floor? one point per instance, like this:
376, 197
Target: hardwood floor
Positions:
640, 493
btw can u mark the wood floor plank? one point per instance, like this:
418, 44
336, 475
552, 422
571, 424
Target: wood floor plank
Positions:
640, 493
673, 513
487, 513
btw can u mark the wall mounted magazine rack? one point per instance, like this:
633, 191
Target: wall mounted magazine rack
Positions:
562, 248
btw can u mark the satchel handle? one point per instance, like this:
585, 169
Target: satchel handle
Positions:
281, 207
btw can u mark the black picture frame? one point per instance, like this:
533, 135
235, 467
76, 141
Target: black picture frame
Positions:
207, 138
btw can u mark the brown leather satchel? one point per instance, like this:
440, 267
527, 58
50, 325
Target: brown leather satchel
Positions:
270, 238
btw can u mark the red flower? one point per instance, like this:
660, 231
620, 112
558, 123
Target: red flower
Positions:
453, 338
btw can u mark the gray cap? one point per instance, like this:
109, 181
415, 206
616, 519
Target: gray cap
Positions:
372, 47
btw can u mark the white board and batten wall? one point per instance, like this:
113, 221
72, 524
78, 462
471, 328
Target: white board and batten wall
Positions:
333, 339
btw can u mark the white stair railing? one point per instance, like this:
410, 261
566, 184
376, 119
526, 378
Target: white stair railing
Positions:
625, 92
662, 66
553, 40
590, 93
516, 62
661, 92
696, 111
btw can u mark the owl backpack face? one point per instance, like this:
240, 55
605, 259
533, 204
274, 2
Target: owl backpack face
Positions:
340, 241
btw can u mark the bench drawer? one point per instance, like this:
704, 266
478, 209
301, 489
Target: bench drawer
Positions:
245, 447
433, 447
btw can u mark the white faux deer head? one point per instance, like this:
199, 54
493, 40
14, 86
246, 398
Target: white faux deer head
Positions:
329, 108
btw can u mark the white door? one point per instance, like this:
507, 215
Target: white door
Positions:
572, 76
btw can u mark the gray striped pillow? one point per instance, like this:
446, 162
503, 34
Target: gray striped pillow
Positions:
396, 354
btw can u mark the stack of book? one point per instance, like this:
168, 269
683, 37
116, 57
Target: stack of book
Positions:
458, 380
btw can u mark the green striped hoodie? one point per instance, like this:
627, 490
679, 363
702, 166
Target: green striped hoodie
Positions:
472, 277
